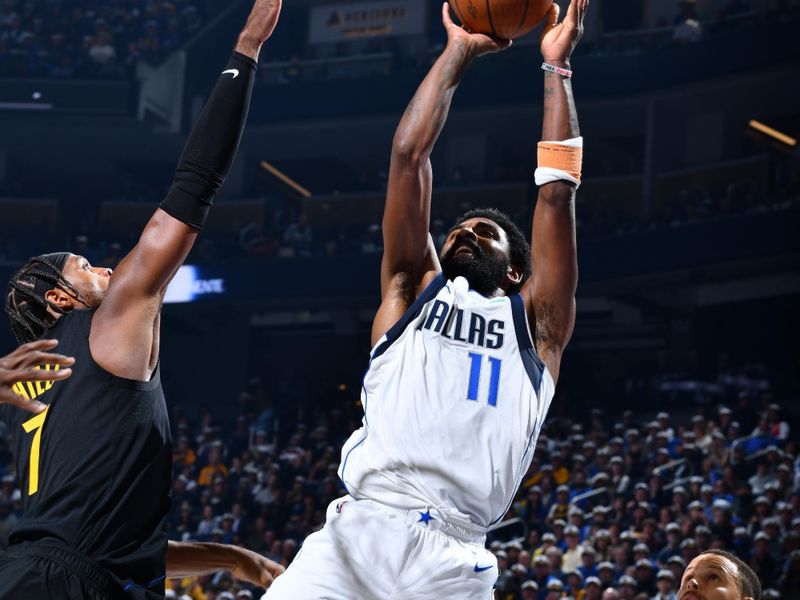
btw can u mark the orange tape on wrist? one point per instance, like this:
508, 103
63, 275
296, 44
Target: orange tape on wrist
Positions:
563, 158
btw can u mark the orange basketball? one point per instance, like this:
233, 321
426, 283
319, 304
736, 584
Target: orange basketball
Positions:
504, 19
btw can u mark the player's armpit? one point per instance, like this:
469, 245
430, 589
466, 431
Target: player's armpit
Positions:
400, 289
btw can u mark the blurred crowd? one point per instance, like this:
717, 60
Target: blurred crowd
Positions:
92, 38
286, 234
599, 215
613, 506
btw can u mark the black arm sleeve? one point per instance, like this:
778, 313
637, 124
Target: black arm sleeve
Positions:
212, 144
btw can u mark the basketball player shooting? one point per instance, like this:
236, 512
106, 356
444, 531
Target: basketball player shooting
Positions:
467, 347
95, 460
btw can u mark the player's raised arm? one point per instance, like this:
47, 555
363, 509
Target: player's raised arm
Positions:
123, 323
550, 293
409, 257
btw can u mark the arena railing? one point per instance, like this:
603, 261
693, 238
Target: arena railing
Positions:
334, 67
587, 495
676, 483
669, 466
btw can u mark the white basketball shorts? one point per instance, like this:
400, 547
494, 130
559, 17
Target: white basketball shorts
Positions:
369, 551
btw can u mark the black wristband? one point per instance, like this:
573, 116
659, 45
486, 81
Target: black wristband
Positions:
212, 144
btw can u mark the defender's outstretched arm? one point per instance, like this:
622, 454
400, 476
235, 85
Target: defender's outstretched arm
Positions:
409, 256
188, 559
123, 337
550, 293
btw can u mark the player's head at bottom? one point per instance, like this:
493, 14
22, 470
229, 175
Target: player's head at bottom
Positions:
489, 251
50, 285
719, 575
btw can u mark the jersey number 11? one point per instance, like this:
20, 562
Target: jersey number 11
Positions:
475, 377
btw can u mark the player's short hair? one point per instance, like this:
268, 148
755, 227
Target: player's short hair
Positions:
748, 582
26, 305
519, 249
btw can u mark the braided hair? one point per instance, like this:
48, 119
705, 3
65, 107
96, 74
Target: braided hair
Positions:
26, 304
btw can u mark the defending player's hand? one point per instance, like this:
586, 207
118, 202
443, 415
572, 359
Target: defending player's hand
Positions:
256, 569
21, 365
476, 43
259, 27
558, 40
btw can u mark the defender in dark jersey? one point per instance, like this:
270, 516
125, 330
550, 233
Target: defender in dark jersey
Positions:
95, 463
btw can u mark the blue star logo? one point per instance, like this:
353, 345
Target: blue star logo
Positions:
425, 517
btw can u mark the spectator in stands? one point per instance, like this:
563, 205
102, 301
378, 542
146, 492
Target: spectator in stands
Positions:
66, 39
574, 584
778, 427
214, 469
687, 25
572, 553
645, 577
665, 582
555, 589
298, 236
762, 477
529, 590
619, 479
373, 242
101, 49
762, 561
627, 587
207, 524
760, 439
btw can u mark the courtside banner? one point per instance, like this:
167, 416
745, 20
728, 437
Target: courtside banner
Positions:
338, 22
192, 283
277, 279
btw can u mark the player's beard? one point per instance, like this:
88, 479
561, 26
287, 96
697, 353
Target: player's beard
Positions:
484, 272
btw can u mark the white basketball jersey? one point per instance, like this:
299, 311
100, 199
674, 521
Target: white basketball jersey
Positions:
454, 399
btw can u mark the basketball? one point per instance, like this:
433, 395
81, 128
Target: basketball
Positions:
504, 19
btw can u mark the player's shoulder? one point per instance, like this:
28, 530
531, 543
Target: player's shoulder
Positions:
429, 278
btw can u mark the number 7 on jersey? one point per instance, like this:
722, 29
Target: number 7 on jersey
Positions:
35, 424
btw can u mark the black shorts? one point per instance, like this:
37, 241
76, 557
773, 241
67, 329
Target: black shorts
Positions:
51, 571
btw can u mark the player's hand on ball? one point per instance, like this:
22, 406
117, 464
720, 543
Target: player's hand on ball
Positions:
256, 569
21, 365
559, 39
476, 43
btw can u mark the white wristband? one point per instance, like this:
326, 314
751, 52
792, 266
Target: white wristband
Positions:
554, 69
544, 175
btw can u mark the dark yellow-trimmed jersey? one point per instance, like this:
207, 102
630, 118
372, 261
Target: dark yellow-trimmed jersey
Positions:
95, 467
